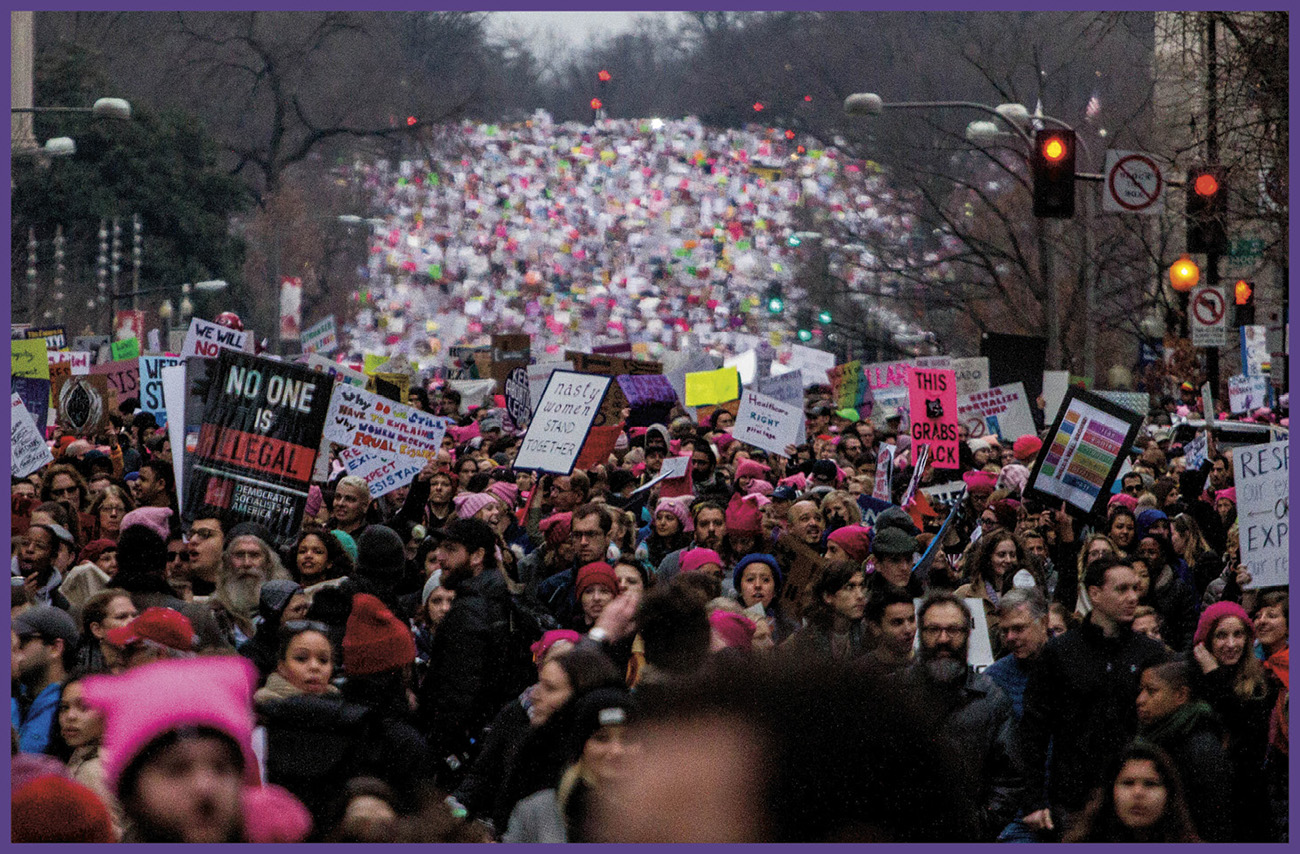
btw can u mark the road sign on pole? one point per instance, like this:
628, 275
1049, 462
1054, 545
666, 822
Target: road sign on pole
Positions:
1133, 184
1207, 316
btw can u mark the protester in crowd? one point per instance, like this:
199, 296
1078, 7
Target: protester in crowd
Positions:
108, 510
304, 662
1170, 595
280, 601
101, 613
44, 651
156, 634
77, 743
1122, 529
350, 506
1140, 800
207, 542
319, 556
834, 627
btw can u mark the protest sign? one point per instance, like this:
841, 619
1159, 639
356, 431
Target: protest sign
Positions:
888, 384
509, 352
1054, 385
321, 337
83, 403
262, 425
360, 419
972, 375
155, 340
1196, 452
538, 375
173, 382
787, 387
336, 371
124, 350
1002, 411
1083, 452
848, 385
128, 323
381, 473
473, 392
767, 423
518, 403
29, 359
814, 363
35, 395
565, 413
883, 488
677, 369
611, 409
650, 397
151, 386
932, 395
1254, 350
672, 467
746, 364
1261, 473
90, 343
396, 387
371, 362
598, 446
938, 363
922, 456
207, 339
27, 448
123, 377
945, 494
705, 388
1247, 393
55, 337
1138, 402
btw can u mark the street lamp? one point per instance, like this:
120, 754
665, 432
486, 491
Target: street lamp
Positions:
104, 108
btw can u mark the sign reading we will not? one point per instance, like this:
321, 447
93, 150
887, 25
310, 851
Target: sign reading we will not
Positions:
208, 339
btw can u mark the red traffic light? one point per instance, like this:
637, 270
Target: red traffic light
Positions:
596, 104
758, 106
1242, 291
604, 76
1206, 184
1054, 149
411, 120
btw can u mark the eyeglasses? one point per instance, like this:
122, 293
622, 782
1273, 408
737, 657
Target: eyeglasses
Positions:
67, 490
296, 626
939, 631
171, 556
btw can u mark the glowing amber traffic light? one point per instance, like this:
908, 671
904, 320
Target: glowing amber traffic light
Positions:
1052, 168
596, 104
1184, 274
1054, 150
1242, 292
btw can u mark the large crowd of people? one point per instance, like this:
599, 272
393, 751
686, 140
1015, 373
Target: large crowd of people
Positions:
759, 651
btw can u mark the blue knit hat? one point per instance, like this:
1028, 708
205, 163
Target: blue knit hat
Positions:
767, 560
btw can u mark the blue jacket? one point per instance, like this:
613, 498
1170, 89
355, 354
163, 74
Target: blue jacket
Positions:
1012, 677
35, 723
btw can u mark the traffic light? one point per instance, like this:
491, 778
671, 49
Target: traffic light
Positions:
824, 317
1184, 274
1244, 296
1053, 172
1207, 210
805, 335
775, 302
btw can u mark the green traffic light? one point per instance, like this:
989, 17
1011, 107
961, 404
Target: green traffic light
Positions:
793, 240
824, 317
805, 335
776, 305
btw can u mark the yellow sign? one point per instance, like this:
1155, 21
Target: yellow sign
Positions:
708, 387
373, 363
29, 359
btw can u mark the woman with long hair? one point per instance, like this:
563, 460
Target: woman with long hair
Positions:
108, 508
669, 530
1141, 800
1121, 527
1203, 563
319, 556
1233, 681
79, 737
994, 561
837, 603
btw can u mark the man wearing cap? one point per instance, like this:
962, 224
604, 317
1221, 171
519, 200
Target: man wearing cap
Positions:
818, 419
156, 634
893, 550
466, 683
44, 643
39, 549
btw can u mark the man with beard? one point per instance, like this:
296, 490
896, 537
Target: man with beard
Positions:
705, 477
967, 711
157, 485
710, 520
46, 640
247, 564
466, 682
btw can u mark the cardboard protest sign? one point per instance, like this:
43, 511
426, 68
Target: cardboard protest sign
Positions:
83, 403
1083, 452
888, 384
599, 445
123, 377
848, 385
151, 385
360, 419
321, 337
650, 397
509, 352
1261, 474
767, 423
1002, 411
55, 337
262, 425
29, 359
518, 405
124, 350
933, 412
1195, 451
787, 387
207, 339
705, 388
813, 362
1247, 393
565, 413
473, 392
972, 375
945, 494
611, 366
27, 448
35, 395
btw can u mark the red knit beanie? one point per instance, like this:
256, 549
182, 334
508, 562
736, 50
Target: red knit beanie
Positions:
375, 640
595, 573
56, 809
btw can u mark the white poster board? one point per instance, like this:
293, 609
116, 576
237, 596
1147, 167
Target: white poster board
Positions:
27, 448
1054, 385
1263, 511
208, 339
972, 374
381, 472
767, 423
537, 377
1002, 411
1247, 393
672, 467
813, 362
382, 428
173, 384
564, 415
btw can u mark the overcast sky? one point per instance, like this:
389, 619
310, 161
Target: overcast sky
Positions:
574, 27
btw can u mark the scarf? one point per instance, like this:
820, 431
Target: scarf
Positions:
1179, 724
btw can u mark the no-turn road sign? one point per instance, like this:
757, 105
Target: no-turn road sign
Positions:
1207, 311
1133, 184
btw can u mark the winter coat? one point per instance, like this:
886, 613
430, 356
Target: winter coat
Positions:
1082, 697
1193, 738
1177, 606
482, 785
1246, 726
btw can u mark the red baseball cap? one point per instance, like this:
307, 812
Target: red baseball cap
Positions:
163, 626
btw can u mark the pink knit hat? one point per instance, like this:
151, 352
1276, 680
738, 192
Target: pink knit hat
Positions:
1216, 612
735, 630
273, 814
469, 503
751, 468
759, 487
798, 481
1123, 499
507, 492
980, 482
145, 702
153, 518
1229, 494
743, 515
854, 539
677, 507
693, 559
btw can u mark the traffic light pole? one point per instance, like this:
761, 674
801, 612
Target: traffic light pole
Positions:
1212, 353
1212, 154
